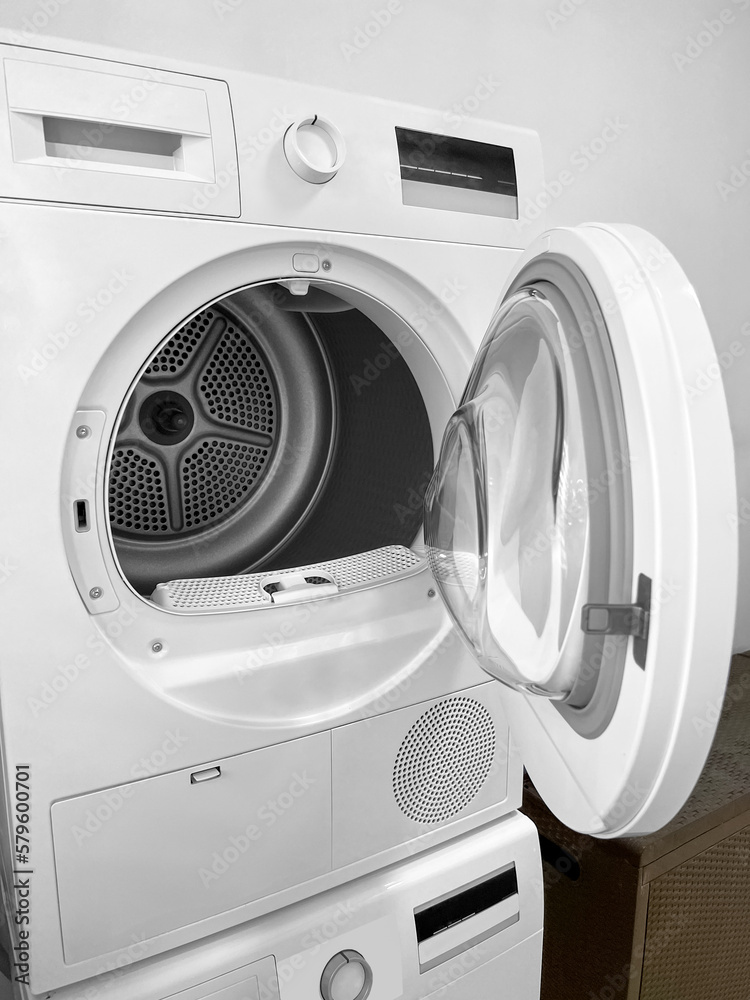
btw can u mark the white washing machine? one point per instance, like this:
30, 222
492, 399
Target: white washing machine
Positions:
256, 722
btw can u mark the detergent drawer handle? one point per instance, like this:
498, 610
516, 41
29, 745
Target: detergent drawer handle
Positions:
205, 775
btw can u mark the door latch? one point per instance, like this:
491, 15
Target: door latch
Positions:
623, 619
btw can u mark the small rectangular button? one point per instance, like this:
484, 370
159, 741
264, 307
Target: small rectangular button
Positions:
307, 262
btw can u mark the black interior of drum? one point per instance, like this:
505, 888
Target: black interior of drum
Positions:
341, 461
383, 458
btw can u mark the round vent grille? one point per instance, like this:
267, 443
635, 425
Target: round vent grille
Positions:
198, 433
444, 760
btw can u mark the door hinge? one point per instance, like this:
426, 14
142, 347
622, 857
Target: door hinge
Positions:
623, 619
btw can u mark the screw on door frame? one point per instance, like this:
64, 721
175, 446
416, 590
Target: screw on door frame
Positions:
83, 431
95, 593
157, 647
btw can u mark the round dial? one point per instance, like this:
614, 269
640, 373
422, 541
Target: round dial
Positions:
346, 977
315, 149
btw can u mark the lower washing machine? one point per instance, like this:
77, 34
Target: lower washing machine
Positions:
302, 565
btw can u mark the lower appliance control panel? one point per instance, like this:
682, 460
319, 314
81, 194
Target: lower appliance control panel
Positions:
474, 904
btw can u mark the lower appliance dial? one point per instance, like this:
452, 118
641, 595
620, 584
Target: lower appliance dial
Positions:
346, 977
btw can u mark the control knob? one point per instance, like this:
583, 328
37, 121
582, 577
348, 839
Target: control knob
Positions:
346, 977
314, 149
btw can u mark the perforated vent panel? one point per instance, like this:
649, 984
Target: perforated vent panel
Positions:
137, 498
216, 476
198, 433
444, 760
234, 593
178, 350
236, 386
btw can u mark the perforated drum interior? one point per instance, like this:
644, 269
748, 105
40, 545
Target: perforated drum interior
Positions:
248, 442
208, 390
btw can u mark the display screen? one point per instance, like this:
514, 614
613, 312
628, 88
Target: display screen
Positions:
457, 175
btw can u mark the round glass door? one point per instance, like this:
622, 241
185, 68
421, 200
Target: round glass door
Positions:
579, 526
524, 492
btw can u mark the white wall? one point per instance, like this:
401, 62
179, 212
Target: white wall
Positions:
563, 67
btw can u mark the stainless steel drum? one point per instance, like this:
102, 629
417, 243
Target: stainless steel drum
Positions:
250, 442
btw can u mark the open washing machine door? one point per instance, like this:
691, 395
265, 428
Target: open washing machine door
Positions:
581, 529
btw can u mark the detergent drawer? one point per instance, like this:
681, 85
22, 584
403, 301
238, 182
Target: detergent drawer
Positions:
143, 859
90, 132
